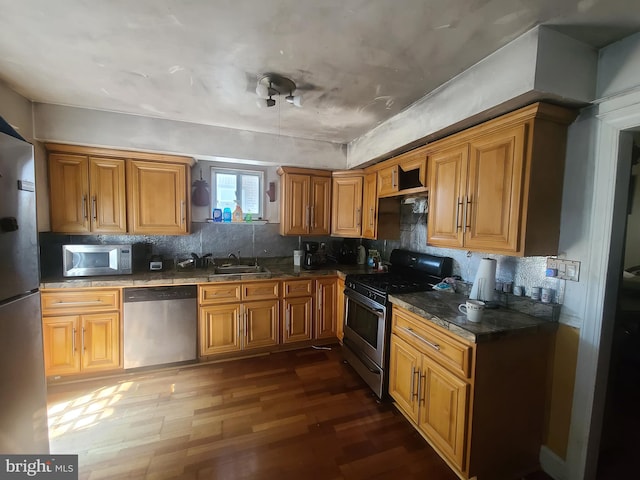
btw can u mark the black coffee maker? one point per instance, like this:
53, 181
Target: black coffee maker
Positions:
311, 259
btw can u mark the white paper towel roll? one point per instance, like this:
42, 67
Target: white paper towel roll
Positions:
485, 282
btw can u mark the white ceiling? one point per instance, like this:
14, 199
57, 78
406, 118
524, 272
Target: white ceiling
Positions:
356, 62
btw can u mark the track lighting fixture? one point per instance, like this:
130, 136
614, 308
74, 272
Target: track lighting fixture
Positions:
271, 84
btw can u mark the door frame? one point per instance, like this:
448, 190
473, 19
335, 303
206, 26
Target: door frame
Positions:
606, 239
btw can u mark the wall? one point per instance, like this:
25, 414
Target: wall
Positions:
117, 130
18, 111
203, 168
541, 64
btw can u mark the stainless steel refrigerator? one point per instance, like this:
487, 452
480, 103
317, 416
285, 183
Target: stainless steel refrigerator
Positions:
23, 394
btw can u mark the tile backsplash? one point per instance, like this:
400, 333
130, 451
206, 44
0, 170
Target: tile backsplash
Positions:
218, 239
265, 241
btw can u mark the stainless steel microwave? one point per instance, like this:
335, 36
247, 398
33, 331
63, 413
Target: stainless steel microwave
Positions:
90, 260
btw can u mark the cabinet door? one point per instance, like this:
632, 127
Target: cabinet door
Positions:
219, 329
326, 315
100, 340
69, 193
494, 189
108, 199
404, 371
346, 207
340, 310
443, 410
369, 206
446, 197
320, 214
157, 202
388, 181
61, 345
261, 320
412, 173
295, 204
298, 315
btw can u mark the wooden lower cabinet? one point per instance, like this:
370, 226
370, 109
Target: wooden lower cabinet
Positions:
81, 343
480, 406
238, 316
340, 309
298, 318
327, 313
81, 330
433, 398
261, 321
219, 329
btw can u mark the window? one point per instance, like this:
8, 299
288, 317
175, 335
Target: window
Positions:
231, 186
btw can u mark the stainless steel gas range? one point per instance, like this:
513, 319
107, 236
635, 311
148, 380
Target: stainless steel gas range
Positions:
367, 326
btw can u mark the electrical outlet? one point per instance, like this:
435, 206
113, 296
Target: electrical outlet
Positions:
563, 269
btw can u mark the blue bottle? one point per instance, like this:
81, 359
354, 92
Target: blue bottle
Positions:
226, 215
217, 215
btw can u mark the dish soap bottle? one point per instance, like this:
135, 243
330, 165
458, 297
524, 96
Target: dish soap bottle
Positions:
226, 215
237, 214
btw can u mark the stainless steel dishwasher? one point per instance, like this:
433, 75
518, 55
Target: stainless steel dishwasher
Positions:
160, 325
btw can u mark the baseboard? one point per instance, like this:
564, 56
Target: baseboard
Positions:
552, 464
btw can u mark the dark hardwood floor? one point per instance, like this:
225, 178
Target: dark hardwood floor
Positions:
292, 415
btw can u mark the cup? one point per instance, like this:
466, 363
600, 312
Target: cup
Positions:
535, 293
518, 290
297, 257
472, 309
547, 295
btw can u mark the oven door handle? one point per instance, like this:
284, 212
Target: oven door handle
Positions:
378, 312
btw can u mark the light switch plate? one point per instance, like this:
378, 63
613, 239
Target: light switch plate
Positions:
566, 269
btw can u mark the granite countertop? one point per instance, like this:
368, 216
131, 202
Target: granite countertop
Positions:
279, 270
441, 308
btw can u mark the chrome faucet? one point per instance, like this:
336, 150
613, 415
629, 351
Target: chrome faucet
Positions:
237, 258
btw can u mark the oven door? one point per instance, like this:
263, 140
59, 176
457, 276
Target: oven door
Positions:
364, 326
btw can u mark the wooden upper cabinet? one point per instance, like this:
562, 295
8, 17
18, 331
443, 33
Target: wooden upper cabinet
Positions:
320, 215
346, 206
107, 195
98, 190
305, 201
369, 205
404, 174
87, 194
69, 193
448, 174
388, 180
497, 187
494, 190
157, 198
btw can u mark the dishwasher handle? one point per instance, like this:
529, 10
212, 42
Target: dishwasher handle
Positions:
154, 294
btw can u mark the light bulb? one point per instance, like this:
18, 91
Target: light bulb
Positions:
262, 90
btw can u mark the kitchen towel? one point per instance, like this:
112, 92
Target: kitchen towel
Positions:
485, 282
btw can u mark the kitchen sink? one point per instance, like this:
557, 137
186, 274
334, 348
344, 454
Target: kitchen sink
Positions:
239, 269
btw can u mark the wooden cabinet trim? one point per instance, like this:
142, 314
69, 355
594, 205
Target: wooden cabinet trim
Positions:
304, 171
114, 153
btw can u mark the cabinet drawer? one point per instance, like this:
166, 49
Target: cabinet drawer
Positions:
297, 288
219, 293
80, 301
450, 353
260, 291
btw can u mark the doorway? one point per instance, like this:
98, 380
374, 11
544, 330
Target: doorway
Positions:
621, 419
